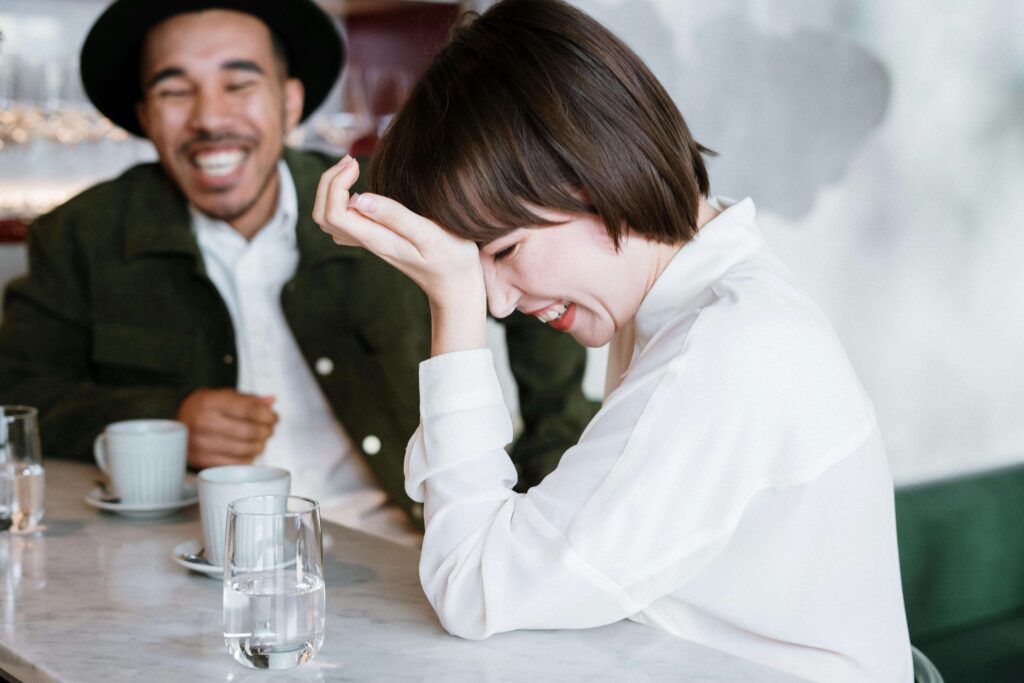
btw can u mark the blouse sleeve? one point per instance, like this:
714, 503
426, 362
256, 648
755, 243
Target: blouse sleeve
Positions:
650, 494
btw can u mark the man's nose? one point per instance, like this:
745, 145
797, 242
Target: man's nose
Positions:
209, 110
502, 296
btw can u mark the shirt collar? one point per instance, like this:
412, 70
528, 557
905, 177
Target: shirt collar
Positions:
281, 225
720, 243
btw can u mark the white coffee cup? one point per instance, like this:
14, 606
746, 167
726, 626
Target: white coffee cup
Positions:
145, 460
219, 486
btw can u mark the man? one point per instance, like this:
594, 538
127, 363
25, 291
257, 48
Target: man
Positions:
200, 288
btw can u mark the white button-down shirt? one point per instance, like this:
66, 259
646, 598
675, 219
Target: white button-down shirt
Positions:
733, 489
308, 440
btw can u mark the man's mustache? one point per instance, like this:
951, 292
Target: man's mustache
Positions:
205, 138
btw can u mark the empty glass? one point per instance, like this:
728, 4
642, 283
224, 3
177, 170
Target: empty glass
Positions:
21, 469
274, 597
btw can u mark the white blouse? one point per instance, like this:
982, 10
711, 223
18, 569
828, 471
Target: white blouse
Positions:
733, 489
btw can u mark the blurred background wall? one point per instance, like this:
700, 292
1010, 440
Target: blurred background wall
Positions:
883, 144
52, 142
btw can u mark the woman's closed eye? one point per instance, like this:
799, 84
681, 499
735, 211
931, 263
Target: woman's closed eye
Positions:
505, 253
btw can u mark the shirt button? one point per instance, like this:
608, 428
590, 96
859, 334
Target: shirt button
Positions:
324, 366
417, 511
228, 359
371, 445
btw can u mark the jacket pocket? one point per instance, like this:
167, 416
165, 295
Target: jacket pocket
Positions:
134, 351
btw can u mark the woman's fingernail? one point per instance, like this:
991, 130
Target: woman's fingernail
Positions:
364, 203
346, 160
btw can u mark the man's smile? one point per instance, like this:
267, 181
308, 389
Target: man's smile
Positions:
218, 163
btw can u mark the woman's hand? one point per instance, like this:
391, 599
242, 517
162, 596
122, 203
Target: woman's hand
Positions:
446, 268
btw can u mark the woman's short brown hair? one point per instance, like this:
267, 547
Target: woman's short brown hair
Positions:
536, 104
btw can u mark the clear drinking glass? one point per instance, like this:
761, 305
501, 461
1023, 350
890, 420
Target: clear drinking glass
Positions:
274, 598
21, 469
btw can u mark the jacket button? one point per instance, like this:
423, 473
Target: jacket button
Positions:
228, 359
371, 445
324, 366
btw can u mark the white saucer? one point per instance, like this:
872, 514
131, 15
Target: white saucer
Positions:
182, 552
189, 496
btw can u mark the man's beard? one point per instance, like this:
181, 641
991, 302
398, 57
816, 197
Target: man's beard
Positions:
230, 215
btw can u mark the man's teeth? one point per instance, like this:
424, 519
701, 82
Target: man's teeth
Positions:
219, 163
554, 312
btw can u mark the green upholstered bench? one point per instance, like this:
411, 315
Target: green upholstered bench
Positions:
961, 544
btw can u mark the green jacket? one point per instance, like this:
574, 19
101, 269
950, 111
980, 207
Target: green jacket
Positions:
118, 320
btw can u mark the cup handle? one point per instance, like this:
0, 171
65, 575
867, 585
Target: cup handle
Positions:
99, 450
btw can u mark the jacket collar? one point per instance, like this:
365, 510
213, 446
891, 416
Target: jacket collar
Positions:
156, 216
158, 222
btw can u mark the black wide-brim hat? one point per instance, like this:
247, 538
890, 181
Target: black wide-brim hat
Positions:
112, 51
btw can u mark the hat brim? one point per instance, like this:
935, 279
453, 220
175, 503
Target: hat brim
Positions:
112, 50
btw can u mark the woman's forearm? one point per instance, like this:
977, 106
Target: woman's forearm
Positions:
459, 325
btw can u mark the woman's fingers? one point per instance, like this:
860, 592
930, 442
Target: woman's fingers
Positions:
389, 244
338, 187
332, 199
389, 213
443, 265
331, 193
332, 211
438, 253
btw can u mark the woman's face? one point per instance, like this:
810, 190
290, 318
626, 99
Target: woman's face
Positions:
569, 276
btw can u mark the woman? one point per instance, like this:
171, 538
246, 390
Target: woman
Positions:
733, 489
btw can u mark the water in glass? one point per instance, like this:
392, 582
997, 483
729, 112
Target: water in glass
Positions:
21, 496
21, 469
272, 620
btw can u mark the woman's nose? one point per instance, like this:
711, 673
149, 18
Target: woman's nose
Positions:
502, 296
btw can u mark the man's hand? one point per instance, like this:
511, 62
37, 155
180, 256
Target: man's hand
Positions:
226, 427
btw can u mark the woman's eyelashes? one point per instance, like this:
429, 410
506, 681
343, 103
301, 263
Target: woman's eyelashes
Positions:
505, 253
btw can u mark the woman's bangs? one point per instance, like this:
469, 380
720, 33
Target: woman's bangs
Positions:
480, 206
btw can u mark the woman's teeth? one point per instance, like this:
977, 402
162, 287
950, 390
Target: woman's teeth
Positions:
554, 312
219, 163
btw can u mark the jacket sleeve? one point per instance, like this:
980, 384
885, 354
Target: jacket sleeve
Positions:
45, 350
548, 368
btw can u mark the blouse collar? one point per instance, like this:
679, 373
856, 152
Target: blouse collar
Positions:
721, 242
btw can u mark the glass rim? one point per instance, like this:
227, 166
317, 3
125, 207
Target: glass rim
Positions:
314, 506
16, 410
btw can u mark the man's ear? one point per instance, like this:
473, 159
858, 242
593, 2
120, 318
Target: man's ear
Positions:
294, 97
142, 114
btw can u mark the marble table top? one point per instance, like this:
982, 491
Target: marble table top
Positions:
96, 596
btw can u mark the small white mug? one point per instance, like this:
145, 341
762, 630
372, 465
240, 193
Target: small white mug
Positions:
219, 486
145, 460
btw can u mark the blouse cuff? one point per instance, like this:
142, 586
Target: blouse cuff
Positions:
458, 381
463, 417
